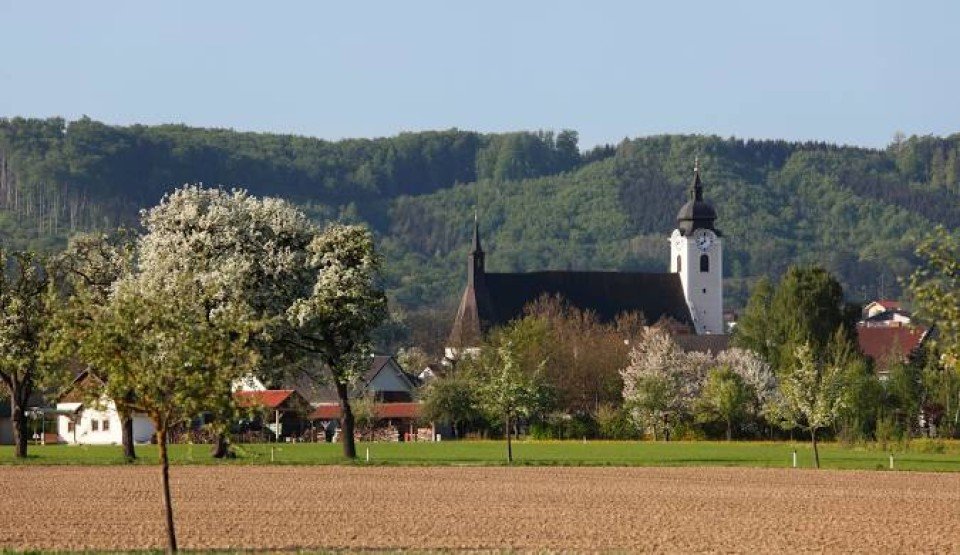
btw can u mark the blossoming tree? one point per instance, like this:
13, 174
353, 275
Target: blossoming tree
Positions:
810, 396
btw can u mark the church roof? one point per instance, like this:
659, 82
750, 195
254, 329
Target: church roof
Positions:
709, 343
608, 294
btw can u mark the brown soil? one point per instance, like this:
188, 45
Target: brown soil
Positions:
592, 509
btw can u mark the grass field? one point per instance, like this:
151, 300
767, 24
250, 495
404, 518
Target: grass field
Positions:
919, 455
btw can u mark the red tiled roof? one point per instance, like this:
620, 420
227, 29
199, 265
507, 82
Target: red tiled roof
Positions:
329, 411
889, 304
398, 410
879, 343
271, 398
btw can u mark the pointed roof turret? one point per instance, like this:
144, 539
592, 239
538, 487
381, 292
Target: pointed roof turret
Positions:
477, 249
696, 192
476, 307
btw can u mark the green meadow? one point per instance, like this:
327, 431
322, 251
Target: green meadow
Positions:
924, 455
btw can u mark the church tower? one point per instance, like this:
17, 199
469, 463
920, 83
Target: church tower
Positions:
696, 253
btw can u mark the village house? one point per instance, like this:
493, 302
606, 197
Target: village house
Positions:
887, 335
80, 422
392, 390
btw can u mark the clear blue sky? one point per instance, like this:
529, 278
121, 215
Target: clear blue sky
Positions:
848, 72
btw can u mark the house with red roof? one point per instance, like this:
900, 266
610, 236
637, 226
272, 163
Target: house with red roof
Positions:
887, 335
273, 414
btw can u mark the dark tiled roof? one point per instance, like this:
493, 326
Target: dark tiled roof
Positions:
608, 294
713, 344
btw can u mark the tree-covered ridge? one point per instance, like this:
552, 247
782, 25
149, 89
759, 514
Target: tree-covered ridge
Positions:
542, 204
779, 204
85, 173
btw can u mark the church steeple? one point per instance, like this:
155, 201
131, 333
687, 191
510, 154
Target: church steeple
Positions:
475, 261
696, 213
476, 312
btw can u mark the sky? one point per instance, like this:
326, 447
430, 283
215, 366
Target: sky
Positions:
845, 72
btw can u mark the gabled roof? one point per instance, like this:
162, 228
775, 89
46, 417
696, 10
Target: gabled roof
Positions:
608, 294
69, 394
324, 392
270, 398
384, 361
330, 411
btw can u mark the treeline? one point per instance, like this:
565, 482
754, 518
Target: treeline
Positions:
543, 204
62, 176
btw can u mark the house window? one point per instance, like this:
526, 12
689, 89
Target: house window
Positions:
704, 263
106, 425
94, 425
679, 264
71, 425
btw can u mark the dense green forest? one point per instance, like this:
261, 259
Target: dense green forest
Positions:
542, 203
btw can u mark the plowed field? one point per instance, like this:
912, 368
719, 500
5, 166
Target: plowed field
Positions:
593, 509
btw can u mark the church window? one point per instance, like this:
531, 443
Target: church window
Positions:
679, 264
704, 263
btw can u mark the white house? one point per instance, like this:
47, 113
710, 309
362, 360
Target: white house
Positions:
80, 423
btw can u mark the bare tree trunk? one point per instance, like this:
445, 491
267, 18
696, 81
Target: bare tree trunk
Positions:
221, 447
346, 422
126, 425
507, 431
729, 429
20, 432
165, 480
816, 452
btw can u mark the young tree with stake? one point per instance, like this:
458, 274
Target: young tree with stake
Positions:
810, 396
174, 359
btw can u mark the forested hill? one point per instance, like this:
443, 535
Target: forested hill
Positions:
542, 203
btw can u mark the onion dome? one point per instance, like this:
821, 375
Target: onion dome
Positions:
696, 213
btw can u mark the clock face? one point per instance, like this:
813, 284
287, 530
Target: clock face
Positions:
704, 240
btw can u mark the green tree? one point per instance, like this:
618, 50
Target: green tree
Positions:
27, 308
95, 262
508, 383
807, 306
452, 399
725, 397
753, 328
935, 287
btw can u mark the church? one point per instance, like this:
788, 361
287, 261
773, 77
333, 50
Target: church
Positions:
690, 295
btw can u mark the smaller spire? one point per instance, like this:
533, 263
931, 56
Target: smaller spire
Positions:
697, 190
476, 235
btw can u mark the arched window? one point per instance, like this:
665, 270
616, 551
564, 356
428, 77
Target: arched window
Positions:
704, 263
679, 264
